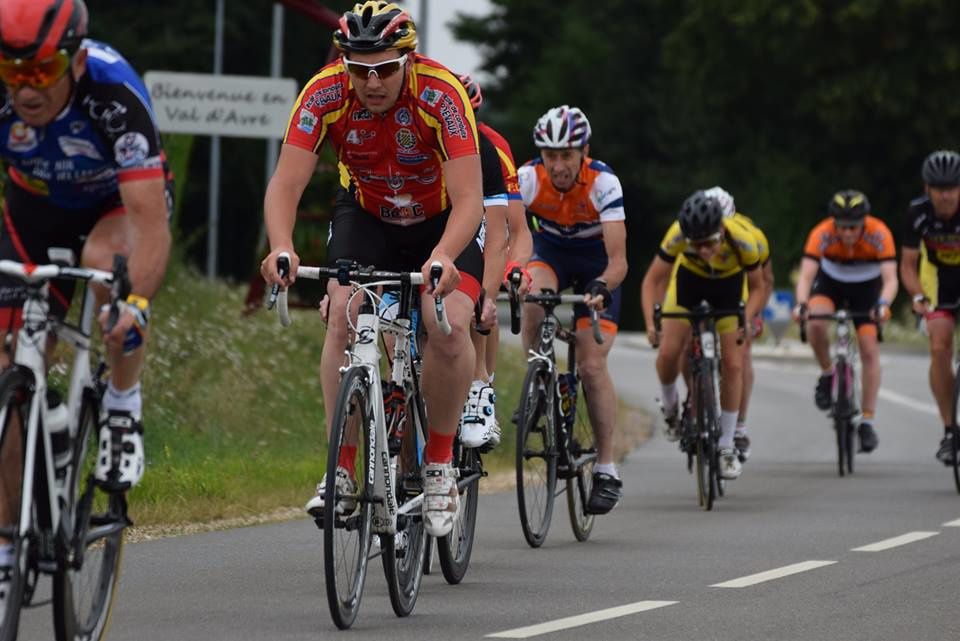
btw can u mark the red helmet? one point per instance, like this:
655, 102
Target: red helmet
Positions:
39, 28
473, 90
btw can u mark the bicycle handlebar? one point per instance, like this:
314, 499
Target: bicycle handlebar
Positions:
703, 311
348, 273
840, 316
516, 276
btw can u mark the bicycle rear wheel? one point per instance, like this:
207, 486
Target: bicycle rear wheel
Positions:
15, 403
404, 553
955, 440
347, 536
583, 455
536, 454
85, 585
841, 418
454, 549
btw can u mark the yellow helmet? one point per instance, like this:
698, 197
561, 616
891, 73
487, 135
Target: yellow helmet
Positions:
375, 25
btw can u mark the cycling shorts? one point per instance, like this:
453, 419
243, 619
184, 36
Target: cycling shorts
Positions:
576, 267
856, 297
941, 285
687, 290
357, 235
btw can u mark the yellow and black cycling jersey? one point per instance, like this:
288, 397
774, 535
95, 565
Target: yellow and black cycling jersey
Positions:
739, 251
763, 245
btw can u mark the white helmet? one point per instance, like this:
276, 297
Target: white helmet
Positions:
562, 127
725, 199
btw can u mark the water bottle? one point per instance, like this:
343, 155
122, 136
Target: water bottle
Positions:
568, 398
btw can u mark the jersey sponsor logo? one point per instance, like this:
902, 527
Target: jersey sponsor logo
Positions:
108, 114
360, 136
77, 126
403, 116
427, 179
395, 182
131, 149
325, 96
361, 114
452, 118
71, 146
22, 138
306, 122
404, 208
406, 139
412, 158
431, 96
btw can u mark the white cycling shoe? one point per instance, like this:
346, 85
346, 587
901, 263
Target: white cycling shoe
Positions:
478, 425
346, 488
120, 456
441, 499
730, 467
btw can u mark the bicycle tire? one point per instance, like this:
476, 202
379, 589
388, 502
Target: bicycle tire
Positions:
404, 553
955, 440
345, 556
14, 399
841, 419
581, 447
536, 460
455, 548
708, 455
85, 585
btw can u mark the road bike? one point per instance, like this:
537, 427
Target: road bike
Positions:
381, 425
64, 525
845, 383
700, 427
554, 437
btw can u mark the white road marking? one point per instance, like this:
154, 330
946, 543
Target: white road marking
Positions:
952, 523
896, 541
770, 575
580, 619
906, 401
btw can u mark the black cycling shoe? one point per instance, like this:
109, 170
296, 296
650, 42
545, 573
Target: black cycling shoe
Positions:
604, 495
821, 395
945, 453
868, 437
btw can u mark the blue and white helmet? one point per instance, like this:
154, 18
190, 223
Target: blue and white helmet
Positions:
725, 198
562, 127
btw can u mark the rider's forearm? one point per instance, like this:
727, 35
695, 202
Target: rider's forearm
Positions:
615, 272
149, 254
494, 249
461, 227
280, 213
651, 293
910, 276
521, 240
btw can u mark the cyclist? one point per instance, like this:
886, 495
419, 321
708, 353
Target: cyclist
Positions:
703, 256
579, 240
741, 440
86, 172
849, 261
932, 239
405, 135
480, 426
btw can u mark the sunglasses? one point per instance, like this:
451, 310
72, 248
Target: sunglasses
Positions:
709, 241
39, 74
383, 69
848, 226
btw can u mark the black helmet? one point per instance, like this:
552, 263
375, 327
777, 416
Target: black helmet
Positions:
700, 216
373, 26
849, 205
942, 169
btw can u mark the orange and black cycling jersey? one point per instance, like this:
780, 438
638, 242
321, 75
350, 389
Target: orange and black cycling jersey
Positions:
507, 165
857, 263
391, 162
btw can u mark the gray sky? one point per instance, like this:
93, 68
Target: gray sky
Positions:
461, 58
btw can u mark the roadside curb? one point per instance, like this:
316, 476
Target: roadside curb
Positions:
787, 350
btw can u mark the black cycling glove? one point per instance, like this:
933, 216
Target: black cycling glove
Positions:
598, 287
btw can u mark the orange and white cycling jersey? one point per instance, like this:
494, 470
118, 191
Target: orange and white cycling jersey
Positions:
572, 217
857, 263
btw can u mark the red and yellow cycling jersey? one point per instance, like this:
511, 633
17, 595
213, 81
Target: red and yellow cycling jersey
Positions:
392, 162
572, 217
507, 165
857, 263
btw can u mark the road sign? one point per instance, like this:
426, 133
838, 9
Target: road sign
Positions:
778, 312
216, 105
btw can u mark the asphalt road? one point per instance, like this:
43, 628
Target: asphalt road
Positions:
793, 551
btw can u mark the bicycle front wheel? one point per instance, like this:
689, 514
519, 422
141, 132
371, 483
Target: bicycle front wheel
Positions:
955, 440
842, 410
348, 516
15, 403
85, 585
405, 553
536, 454
583, 456
455, 548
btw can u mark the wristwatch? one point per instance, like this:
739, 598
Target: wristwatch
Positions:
920, 298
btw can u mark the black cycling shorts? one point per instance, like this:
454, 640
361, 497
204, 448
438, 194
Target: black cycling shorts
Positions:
855, 297
357, 235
